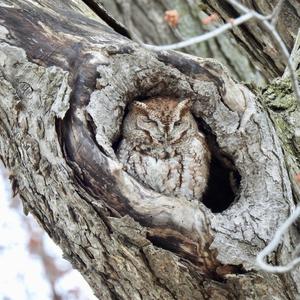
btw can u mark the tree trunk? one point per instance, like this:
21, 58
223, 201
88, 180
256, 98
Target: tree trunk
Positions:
67, 77
244, 50
145, 20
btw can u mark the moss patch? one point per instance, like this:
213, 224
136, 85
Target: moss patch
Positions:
281, 104
279, 96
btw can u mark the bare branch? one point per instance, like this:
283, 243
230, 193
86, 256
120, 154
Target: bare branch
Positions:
281, 45
203, 37
245, 10
286, 55
273, 245
294, 57
248, 15
276, 12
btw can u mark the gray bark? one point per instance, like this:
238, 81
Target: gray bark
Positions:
66, 79
248, 51
257, 42
237, 50
144, 19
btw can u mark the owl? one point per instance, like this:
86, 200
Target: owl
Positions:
163, 148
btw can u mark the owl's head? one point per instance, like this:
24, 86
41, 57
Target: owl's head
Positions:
160, 121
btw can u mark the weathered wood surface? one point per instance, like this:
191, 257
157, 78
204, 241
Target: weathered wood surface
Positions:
258, 47
66, 79
256, 41
144, 20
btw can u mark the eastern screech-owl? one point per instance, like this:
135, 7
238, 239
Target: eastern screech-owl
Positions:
163, 148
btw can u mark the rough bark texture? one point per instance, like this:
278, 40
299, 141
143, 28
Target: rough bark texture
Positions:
66, 79
252, 36
279, 101
144, 19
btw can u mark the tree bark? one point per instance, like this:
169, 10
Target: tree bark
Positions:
258, 47
145, 21
244, 50
67, 76
257, 42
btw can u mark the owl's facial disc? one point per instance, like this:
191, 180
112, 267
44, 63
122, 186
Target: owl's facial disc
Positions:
167, 125
151, 127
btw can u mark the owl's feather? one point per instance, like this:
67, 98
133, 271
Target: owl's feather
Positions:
163, 148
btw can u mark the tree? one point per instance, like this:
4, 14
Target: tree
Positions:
68, 73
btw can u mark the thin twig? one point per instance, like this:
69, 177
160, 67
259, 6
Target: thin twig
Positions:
285, 53
276, 12
269, 23
281, 45
248, 14
205, 36
238, 5
260, 259
294, 57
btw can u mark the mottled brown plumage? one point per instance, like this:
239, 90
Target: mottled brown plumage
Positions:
163, 148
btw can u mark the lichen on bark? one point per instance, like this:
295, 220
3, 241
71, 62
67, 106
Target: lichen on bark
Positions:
280, 101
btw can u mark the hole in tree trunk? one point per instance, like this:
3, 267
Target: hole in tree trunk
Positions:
222, 188
224, 179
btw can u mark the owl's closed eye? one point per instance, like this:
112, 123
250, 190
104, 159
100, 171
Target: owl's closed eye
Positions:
163, 148
165, 122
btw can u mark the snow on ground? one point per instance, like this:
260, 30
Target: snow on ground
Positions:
31, 265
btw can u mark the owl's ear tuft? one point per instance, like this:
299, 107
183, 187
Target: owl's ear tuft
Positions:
184, 106
139, 106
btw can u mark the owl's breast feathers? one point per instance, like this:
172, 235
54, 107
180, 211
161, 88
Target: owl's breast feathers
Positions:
195, 145
163, 149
